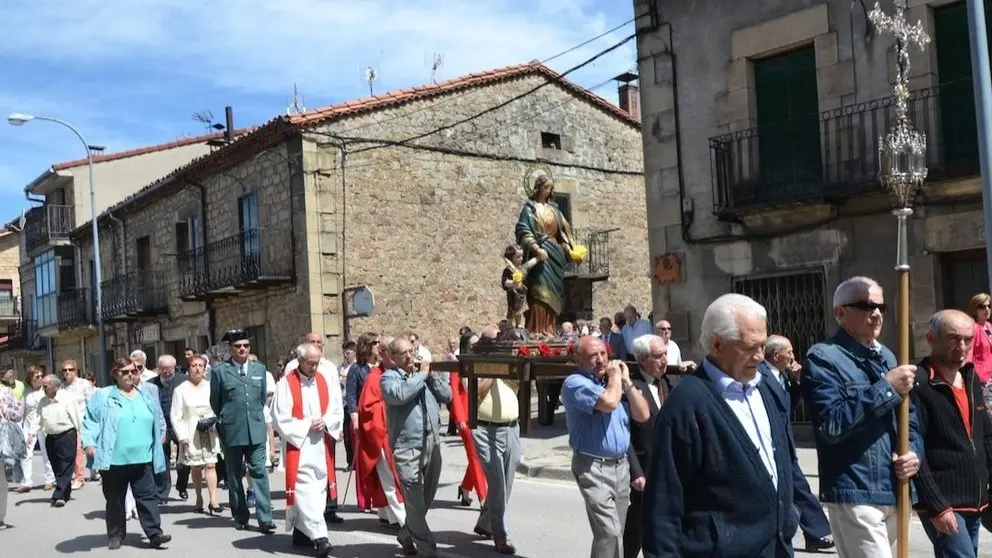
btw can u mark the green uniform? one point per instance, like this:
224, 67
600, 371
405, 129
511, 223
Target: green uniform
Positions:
237, 396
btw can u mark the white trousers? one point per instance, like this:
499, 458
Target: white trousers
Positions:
394, 512
27, 464
863, 531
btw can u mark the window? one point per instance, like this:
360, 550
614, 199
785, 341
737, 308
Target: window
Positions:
564, 203
46, 289
963, 275
788, 122
248, 216
550, 140
959, 127
796, 306
6, 288
143, 253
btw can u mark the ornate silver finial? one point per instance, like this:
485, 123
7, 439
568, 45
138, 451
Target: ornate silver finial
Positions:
903, 150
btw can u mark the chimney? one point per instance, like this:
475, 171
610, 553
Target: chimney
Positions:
229, 123
630, 101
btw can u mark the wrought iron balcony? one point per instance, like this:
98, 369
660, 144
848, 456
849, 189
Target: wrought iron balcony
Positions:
251, 259
75, 309
134, 294
833, 155
10, 308
596, 266
21, 336
49, 224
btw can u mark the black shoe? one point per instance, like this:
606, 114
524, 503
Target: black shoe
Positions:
464, 498
158, 540
115, 544
267, 528
301, 540
816, 545
323, 547
183, 495
333, 517
238, 526
409, 549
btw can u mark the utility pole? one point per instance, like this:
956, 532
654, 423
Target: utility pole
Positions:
980, 75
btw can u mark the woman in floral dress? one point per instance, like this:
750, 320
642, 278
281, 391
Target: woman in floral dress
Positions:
194, 423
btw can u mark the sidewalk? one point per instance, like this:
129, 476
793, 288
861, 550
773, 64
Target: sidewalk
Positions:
545, 453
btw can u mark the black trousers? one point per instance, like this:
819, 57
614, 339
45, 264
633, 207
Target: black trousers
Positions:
349, 448
61, 450
632, 529
141, 479
163, 480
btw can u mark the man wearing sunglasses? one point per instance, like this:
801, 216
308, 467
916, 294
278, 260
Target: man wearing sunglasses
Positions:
853, 388
238, 398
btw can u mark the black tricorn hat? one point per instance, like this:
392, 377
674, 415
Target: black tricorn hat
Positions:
235, 335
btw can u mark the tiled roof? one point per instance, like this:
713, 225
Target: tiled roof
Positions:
149, 149
400, 96
264, 136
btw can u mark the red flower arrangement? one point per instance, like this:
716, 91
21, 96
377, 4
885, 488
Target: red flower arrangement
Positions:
523, 351
544, 350
571, 349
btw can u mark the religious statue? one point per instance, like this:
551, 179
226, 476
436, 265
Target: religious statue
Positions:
514, 272
543, 233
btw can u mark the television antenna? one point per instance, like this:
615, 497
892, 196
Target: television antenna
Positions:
205, 117
437, 62
371, 76
296, 105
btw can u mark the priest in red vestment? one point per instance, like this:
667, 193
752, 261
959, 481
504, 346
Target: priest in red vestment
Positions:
475, 478
374, 455
308, 412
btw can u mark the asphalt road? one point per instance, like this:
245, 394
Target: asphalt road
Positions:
548, 520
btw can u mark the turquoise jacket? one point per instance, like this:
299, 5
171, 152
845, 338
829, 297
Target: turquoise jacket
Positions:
103, 412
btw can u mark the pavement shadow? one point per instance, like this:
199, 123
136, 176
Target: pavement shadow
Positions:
206, 522
95, 514
367, 524
368, 550
82, 543
546, 432
272, 544
33, 501
468, 545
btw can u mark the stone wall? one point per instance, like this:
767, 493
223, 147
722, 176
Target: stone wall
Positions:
426, 228
10, 259
708, 79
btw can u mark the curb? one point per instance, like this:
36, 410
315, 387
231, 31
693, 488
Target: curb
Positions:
536, 469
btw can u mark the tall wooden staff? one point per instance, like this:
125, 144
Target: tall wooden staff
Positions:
902, 170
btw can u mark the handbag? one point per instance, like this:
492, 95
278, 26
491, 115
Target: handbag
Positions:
12, 443
205, 424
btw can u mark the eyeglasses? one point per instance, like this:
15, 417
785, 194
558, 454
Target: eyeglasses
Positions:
124, 371
664, 329
68, 369
867, 306
242, 345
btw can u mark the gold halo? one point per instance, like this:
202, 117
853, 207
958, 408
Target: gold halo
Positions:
532, 174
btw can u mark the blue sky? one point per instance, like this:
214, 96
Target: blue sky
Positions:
129, 73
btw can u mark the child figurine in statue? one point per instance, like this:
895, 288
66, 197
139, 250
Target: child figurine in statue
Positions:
513, 284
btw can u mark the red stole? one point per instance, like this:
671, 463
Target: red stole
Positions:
293, 452
475, 478
373, 437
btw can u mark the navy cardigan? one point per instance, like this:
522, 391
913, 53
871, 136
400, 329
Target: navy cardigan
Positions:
708, 492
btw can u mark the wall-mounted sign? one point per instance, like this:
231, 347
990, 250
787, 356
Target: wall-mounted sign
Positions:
147, 334
668, 268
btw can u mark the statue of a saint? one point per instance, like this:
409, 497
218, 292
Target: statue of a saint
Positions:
543, 233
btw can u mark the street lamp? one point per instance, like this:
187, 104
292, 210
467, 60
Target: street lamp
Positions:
902, 170
19, 119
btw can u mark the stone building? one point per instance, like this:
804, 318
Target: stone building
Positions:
761, 147
408, 192
17, 347
51, 277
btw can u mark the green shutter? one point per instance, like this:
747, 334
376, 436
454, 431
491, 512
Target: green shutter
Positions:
788, 123
959, 129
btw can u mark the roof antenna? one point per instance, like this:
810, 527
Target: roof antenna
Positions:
204, 117
371, 76
436, 64
296, 105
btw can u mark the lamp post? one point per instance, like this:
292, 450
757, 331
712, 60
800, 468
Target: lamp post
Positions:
18, 119
902, 170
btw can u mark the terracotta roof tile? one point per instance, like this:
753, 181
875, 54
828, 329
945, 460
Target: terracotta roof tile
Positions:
149, 149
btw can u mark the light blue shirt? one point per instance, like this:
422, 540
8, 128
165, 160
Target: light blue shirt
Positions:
631, 332
590, 431
749, 408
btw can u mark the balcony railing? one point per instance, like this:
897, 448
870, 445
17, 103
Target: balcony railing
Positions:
21, 335
596, 266
75, 309
10, 308
253, 258
137, 293
834, 154
48, 224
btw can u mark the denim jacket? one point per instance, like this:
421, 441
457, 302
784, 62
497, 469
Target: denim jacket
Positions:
412, 406
103, 412
854, 413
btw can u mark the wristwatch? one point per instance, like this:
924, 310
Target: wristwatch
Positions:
627, 384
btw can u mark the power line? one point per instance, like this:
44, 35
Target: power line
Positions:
513, 99
469, 91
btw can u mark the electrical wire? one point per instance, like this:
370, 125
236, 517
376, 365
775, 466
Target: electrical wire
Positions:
432, 106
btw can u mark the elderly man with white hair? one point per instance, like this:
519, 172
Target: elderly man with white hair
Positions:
853, 388
166, 380
140, 359
720, 480
308, 412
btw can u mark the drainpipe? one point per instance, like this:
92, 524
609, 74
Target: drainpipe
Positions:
27, 196
211, 309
